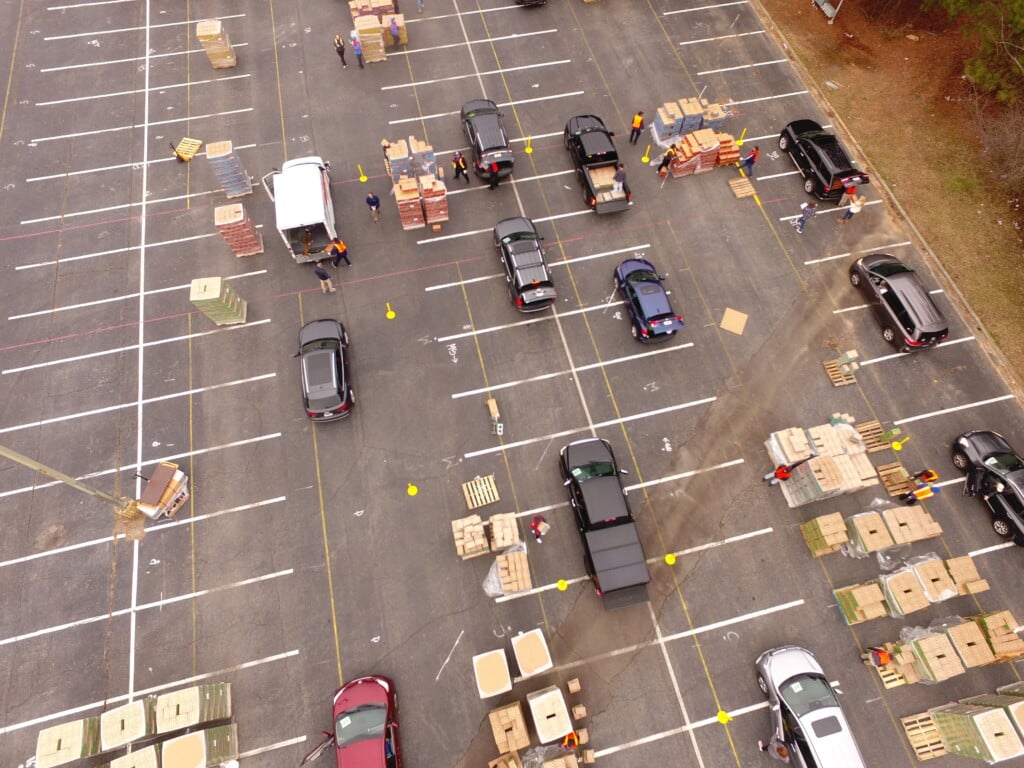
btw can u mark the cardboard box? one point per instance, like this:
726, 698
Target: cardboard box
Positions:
868, 532
531, 652
861, 602
509, 728
935, 579
970, 644
965, 575
492, 675
999, 627
903, 592
936, 659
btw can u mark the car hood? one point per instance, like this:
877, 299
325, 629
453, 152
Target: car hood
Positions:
320, 329
787, 662
585, 452
515, 226
986, 443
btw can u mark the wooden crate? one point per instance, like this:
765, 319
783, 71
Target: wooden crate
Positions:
923, 736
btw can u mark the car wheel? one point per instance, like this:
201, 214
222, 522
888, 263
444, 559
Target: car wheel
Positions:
784, 143
855, 279
1002, 527
960, 460
762, 685
889, 335
809, 186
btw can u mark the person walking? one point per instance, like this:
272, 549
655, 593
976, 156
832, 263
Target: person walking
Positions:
357, 49
459, 166
494, 176
325, 278
636, 127
373, 203
807, 212
775, 747
420, 4
670, 153
340, 251
339, 46
748, 161
539, 527
853, 210
619, 179
393, 28
849, 194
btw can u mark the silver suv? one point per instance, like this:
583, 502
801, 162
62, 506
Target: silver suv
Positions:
805, 711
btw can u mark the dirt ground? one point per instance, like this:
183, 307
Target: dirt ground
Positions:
894, 80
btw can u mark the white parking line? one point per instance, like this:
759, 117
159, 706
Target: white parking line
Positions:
133, 404
271, 747
706, 7
120, 207
156, 88
485, 41
143, 607
878, 249
418, 83
125, 297
587, 428
150, 529
773, 97
72, 6
723, 37
117, 251
684, 475
897, 355
97, 33
141, 464
183, 683
437, 115
569, 371
129, 347
521, 323
136, 126
827, 211
993, 548
954, 409
134, 59
744, 66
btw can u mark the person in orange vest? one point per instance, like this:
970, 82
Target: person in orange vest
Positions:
670, 153
571, 740
340, 251
636, 127
876, 657
748, 161
926, 476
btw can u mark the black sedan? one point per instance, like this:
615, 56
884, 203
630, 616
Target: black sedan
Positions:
323, 360
650, 312
995, 474
529, 284
910, 320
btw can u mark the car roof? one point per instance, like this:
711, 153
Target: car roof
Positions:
603, 499
516, 225
986, 442
583, 122
319, 330
917, 301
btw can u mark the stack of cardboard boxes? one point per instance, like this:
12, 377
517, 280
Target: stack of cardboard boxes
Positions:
678, 118
504, 531
370, 32
218, 301
420, 190
238, 230
514, 572
216, 43
470, 537
825, 534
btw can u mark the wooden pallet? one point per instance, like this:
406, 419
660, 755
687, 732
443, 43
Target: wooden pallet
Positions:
890, 676
836, 374
187, 149
871, 433
480, 491
923, 735
896, 479
742, 187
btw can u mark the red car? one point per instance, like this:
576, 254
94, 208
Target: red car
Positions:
365, 725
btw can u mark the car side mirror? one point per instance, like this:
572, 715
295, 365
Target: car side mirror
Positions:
566, 483
623, 471
297, 353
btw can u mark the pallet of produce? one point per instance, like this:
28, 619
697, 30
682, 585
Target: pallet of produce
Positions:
861, 602
825, 534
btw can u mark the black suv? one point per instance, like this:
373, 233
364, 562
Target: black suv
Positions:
481, 121
821, 159
995, 473
529, 284
910, 320
614, 556
323, 360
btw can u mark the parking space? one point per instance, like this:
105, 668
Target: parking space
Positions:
313, 554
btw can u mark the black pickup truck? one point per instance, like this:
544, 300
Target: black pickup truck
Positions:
593, 153
615, 558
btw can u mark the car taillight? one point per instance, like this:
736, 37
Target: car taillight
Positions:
643, 332
629, 196
592, 200
342, 408
519, 301
311, 413
912, 343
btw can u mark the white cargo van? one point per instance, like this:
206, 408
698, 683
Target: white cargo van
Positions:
301, 192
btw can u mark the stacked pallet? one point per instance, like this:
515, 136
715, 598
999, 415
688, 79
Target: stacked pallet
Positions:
218, 301
228, 170
216, 43
508, 727
792, 444
999, 630
697, 152
504, 532
825, 534
424, 161
712, 115
978, 731
693, 114
238, 230
903, 592
511, 760
861, 602
867, 533
934, 577
397, 159
470, 537
908, 524
370, 31
970, 644
728, 151
410, 209
668, 121
434, 195
965, 576
937, 660
514, 572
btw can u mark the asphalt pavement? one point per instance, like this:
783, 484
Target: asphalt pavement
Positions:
308, 554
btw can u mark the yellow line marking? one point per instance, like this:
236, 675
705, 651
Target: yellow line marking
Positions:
284, 138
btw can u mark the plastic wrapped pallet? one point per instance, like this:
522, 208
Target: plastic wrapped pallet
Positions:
861, 602
965, 575
937, 660
935, 579
969, 642
980, 732
867, 534
903, 592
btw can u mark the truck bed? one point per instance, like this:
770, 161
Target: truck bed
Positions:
602, 179
618, 560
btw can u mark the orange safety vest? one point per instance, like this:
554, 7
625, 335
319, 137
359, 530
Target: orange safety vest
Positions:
638, 121
571, 740
338, 247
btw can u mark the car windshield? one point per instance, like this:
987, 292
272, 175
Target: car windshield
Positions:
593, 469
806, 693
643, 276
360, 723
887, 268
1006, 462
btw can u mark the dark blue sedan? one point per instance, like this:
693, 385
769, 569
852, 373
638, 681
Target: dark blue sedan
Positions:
650, 312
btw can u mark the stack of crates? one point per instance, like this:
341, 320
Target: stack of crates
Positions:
693, 114
668, 121
238, 230
214, 39
218, 301
728, 152
228, 169
371, 36
397, 159
424, 161
434, 195
712, 116
825, 534
410, 209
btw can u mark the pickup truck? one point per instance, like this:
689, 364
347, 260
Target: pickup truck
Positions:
593, 153
615, 558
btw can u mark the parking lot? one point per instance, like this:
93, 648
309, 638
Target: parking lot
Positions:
308, 554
